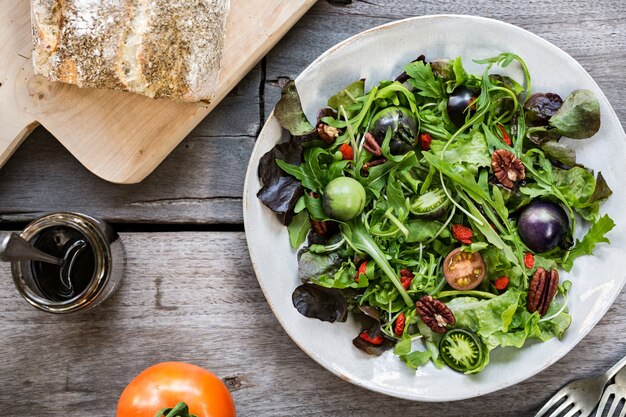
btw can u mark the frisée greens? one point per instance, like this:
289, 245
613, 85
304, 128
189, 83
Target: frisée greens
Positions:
379, 193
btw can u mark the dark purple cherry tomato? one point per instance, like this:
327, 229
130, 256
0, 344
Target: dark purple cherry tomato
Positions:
543, 225
461, 101
403, 126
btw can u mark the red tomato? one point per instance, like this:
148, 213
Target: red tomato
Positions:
165, 384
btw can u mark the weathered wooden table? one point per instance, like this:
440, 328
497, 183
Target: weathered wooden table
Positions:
190, 292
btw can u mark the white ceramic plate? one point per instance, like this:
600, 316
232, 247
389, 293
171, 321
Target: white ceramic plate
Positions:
379, 54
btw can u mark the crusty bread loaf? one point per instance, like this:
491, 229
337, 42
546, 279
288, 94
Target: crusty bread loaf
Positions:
159, 48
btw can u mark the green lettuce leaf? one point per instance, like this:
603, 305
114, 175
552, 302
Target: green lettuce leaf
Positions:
289, 111
347, 96
504, 320
469, 150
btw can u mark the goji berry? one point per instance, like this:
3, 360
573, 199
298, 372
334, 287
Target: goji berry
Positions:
505, 138
346, 152
462, 234
361, 271
398, 329
378, 340
406, 277
501, 283
529, 260
425, 140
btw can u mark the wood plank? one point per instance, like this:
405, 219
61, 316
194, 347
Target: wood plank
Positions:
37, 184
193, 297
201, 182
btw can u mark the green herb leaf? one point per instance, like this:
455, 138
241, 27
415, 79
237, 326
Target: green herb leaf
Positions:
424, 80
596, 234
298, 228
403, 347
289, 111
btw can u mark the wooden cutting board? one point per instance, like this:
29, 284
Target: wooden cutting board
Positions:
119, 136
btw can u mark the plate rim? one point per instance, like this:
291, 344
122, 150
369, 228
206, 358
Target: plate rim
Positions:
252, 170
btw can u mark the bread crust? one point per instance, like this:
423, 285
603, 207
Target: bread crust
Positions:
158, 48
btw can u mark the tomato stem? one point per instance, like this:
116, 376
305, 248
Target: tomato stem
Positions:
179, 410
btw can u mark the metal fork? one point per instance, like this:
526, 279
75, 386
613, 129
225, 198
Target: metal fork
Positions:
580, 396
618, 391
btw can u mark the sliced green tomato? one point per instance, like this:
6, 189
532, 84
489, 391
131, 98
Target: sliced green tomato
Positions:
432, 204
461, 350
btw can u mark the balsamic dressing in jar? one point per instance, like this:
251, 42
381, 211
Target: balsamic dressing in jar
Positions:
61, 283
91, 266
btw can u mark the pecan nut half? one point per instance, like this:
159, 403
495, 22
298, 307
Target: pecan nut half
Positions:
507, 167
543, 286
435, 314
371, 145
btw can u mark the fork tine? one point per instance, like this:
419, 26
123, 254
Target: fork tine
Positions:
604, 400
623, 412
555, 399
616, 401
562, 408
572, 412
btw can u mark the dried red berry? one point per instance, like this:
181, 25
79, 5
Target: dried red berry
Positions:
398, 329
425, 140
346, 152
361, 271
505, 138
378, 340
501, 283
406, 277
462, 234
529, 260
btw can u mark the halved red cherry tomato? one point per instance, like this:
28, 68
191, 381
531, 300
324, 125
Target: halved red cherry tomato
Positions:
166, 384
464, 270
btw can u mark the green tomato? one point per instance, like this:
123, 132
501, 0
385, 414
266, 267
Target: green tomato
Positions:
344, 198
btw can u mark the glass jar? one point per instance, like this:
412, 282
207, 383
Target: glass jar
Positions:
92, 277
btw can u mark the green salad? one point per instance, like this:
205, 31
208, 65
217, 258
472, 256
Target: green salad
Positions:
438, 209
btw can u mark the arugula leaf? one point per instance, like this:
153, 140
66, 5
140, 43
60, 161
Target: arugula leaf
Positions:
360, 240
315, 206
416, 358
595, 235
317, 170
298, 228
289, 111
423, 230
460, 74
424, 80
